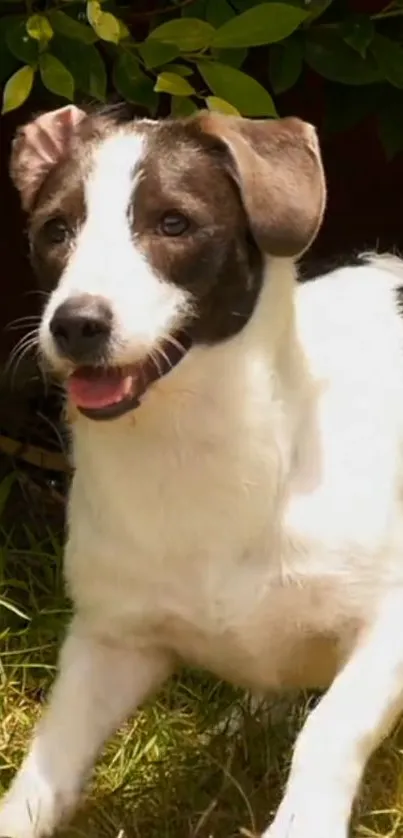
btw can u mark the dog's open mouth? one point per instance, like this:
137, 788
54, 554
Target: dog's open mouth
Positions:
109, 392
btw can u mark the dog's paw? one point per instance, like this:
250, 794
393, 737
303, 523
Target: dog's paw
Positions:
292, 821
23, 816
14, 823
302, 828
31, 809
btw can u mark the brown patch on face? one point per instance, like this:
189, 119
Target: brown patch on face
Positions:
216, 258
58, 215
246, 187
60, 200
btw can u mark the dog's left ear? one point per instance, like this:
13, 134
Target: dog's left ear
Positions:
38, 147
277, 167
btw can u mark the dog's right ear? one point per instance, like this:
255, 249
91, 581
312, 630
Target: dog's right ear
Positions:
38, 146
277, 167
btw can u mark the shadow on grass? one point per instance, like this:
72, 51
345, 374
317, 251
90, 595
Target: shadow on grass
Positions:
213, 785
191, 779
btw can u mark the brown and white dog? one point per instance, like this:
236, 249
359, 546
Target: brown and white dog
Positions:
238, 445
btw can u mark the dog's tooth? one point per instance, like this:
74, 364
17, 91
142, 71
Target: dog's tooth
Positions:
128, 384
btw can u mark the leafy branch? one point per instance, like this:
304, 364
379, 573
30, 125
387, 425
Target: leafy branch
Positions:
177, 57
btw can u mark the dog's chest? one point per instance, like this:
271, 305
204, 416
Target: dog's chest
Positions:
230, 613
195, 563
252, 628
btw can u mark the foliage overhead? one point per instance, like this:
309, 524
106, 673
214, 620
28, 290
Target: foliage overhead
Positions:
235, 56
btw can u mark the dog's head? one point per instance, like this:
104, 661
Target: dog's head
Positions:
151, 236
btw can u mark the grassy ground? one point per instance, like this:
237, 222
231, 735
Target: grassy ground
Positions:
170, 773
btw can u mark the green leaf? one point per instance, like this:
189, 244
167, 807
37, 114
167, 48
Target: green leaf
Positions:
218, 12
8, 62
214, 103
132, 84
263, 24
108, 28
390, 129
17, 89
155, 53
56, 77
85, 65
127, 68
20, 44
124, 31
181, 69
104, 24
39, 28
233, 57
333, 59
94, 11
358, 32
237, 88
7, 21
317, 8
188, 34
173, 84
181, 106
389, 58
66, 25
242, 5
285, 64
195, 9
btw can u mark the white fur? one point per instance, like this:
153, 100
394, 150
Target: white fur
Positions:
106, 261
247, 518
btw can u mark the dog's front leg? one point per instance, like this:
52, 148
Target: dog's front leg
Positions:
340, 734
98, 685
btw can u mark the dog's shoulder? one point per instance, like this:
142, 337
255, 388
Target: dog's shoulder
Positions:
354, 312
349, 325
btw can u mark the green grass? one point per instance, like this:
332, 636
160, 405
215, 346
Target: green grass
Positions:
177, 770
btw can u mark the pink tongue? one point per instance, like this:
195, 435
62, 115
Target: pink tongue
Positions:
98, 389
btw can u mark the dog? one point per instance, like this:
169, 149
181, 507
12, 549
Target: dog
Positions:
237, 444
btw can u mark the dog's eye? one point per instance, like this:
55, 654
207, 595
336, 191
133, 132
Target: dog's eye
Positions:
174, 224
55, 231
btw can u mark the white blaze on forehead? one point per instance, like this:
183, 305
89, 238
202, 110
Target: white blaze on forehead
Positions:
107, 260
111, 181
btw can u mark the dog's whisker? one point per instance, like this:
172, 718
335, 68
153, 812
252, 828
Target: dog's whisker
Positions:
25, 341
155, 360
44, 372
24, 346
175, 342
31, 335
165, 357
18, 357
28, 319
54, 430
14, 327
39, 291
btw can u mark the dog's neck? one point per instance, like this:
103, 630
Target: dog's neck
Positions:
256, 379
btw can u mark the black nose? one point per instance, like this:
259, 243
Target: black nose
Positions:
81, 328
